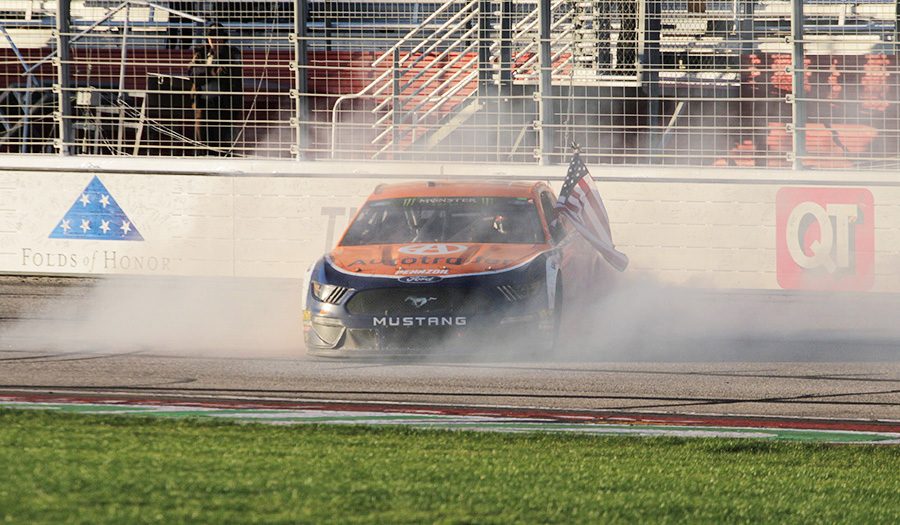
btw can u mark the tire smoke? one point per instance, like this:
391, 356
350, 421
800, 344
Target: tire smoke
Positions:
189, 316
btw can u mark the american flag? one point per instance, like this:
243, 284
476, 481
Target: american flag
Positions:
580, 201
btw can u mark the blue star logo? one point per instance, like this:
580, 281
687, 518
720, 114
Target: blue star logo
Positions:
96, 215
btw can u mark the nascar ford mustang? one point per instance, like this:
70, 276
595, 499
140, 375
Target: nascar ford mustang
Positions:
447, 264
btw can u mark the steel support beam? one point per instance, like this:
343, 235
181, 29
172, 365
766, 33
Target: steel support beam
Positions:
798, 70
301, 75
745, 25
506, 18
64, 75
652, 61
485, 68
547, 113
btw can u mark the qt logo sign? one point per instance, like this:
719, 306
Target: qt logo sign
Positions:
825, 238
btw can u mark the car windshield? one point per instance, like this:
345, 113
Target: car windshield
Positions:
446, 219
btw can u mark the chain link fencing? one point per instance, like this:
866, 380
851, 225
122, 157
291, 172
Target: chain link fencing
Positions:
742, 83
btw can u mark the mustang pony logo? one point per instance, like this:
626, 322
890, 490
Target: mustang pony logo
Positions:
419, 302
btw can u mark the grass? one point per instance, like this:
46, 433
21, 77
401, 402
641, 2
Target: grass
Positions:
107, 469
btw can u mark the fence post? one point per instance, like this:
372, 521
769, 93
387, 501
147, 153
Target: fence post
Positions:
120, 96
301, 74
652, 61
798, 113
745, 26
547, 115
64, 75
485, 72
506, 16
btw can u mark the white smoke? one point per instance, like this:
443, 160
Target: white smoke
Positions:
636, 319
186, 316
640, 319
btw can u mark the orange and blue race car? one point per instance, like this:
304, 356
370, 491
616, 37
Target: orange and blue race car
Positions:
455, 265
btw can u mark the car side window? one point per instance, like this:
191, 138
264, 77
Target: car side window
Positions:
554, 224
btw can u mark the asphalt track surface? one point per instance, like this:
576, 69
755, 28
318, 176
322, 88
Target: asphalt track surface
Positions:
55, 340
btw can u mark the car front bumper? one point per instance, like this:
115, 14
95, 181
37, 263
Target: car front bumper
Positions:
339, 337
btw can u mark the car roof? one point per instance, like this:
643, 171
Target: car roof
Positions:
454, 189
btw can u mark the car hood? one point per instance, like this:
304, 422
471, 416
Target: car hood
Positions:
444, 259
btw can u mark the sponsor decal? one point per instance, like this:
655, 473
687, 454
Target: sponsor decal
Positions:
96, 216
420, 279
432, 249
418, 321
825, 238
445, 201
455, 261
452, 261
94, 261
418, 302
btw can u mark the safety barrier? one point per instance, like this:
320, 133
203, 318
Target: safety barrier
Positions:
761, 229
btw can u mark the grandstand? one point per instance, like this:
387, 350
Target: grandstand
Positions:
701, 83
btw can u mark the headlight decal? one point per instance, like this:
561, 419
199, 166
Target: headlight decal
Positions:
329, 293
519, 292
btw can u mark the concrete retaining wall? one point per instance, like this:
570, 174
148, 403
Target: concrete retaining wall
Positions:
224, 217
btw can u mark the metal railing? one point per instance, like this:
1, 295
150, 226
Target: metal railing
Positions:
429, 72
576, 52
742, 83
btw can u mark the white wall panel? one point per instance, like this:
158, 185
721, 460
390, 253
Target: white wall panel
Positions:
678, 227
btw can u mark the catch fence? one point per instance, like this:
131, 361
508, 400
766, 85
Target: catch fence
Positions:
742, 83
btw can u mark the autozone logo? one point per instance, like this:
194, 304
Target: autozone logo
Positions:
432, 249
825, 238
